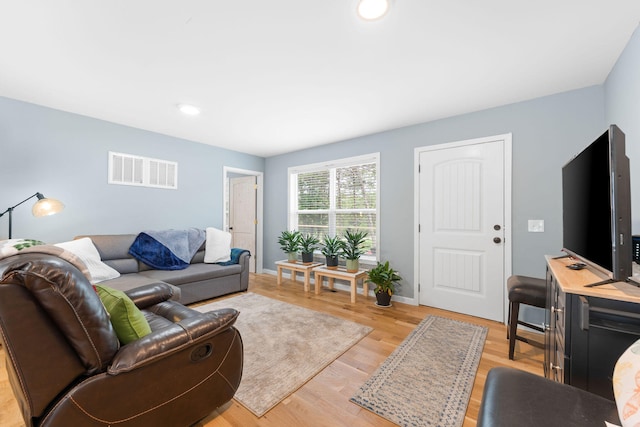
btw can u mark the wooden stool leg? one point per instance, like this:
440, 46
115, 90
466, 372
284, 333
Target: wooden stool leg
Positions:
513, 325
307, 280
509, 320
353, 291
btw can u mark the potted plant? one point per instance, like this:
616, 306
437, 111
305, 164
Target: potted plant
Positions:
289, 242
308, 243
353, 248
384, 278
331, 249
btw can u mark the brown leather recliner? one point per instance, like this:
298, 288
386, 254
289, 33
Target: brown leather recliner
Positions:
66, 365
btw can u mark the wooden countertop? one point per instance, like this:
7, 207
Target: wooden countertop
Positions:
574, 281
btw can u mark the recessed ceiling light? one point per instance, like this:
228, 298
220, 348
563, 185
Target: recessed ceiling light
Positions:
372, 9
189, 109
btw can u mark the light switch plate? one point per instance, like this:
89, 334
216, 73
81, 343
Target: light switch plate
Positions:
536, 225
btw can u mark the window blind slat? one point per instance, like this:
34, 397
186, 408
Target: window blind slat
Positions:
337, 196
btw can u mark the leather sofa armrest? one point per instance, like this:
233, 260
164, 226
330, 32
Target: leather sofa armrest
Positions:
148, 295
164, 342
513, 397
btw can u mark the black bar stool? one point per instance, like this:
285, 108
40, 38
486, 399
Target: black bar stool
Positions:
529, 291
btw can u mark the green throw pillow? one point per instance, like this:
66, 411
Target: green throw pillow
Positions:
127, 319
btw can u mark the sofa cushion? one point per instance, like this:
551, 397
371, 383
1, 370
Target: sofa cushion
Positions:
114, 251
127, 319
193, 273
199, 256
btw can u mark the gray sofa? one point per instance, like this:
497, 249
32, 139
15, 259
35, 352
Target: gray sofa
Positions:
199, 281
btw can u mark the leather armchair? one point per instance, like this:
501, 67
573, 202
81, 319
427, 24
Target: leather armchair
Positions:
66, 366
513, 397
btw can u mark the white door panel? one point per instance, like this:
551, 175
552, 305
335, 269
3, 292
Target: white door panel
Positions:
461, 212
242, 215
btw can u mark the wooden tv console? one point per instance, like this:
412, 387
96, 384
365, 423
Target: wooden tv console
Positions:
587, 328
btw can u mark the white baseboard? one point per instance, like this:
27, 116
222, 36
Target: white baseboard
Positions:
344, 287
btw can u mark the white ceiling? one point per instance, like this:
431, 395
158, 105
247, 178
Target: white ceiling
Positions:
283, 75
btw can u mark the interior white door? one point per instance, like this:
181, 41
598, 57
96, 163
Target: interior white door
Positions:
242, 215
462, 221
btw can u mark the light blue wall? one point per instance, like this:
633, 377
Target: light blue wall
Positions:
64, 156
622, 107
547, 132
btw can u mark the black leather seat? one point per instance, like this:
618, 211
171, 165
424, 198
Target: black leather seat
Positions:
67, 367
517, 398
524, 290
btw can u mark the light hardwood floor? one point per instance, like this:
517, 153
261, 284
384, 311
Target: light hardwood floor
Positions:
324, 400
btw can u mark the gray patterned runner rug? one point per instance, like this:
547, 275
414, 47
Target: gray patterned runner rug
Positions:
428, 379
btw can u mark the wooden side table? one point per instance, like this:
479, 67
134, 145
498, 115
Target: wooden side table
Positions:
341, 273
295, 268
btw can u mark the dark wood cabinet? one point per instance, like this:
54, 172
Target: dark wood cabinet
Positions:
555, 327
587, 328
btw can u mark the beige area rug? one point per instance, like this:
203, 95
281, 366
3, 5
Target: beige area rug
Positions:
284, 346
427, 380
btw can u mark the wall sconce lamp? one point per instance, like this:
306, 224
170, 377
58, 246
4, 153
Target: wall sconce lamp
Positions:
43, 207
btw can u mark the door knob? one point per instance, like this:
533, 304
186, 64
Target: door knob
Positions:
497, 227
497, 240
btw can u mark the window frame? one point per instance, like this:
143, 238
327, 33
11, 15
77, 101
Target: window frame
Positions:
332, 165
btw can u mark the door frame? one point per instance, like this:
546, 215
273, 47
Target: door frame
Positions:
507, 159
226, 170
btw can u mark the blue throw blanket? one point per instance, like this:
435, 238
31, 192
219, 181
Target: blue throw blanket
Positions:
167, 249
235, 256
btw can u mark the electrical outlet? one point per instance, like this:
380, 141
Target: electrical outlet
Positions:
536, 225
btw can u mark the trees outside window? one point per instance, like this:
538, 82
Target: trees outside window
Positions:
329, 198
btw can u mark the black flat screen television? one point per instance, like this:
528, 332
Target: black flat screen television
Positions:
596, 206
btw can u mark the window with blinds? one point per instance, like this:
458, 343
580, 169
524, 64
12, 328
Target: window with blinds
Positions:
329, 198
127, 169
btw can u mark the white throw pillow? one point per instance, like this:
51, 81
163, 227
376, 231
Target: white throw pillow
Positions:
87, 252
218, 246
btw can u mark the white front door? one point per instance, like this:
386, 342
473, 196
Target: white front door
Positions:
242, 215
462, 219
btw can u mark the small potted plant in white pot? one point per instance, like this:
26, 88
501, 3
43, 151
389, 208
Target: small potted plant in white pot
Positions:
289, 242
331, 249
385, 279
308, 243
353, 248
